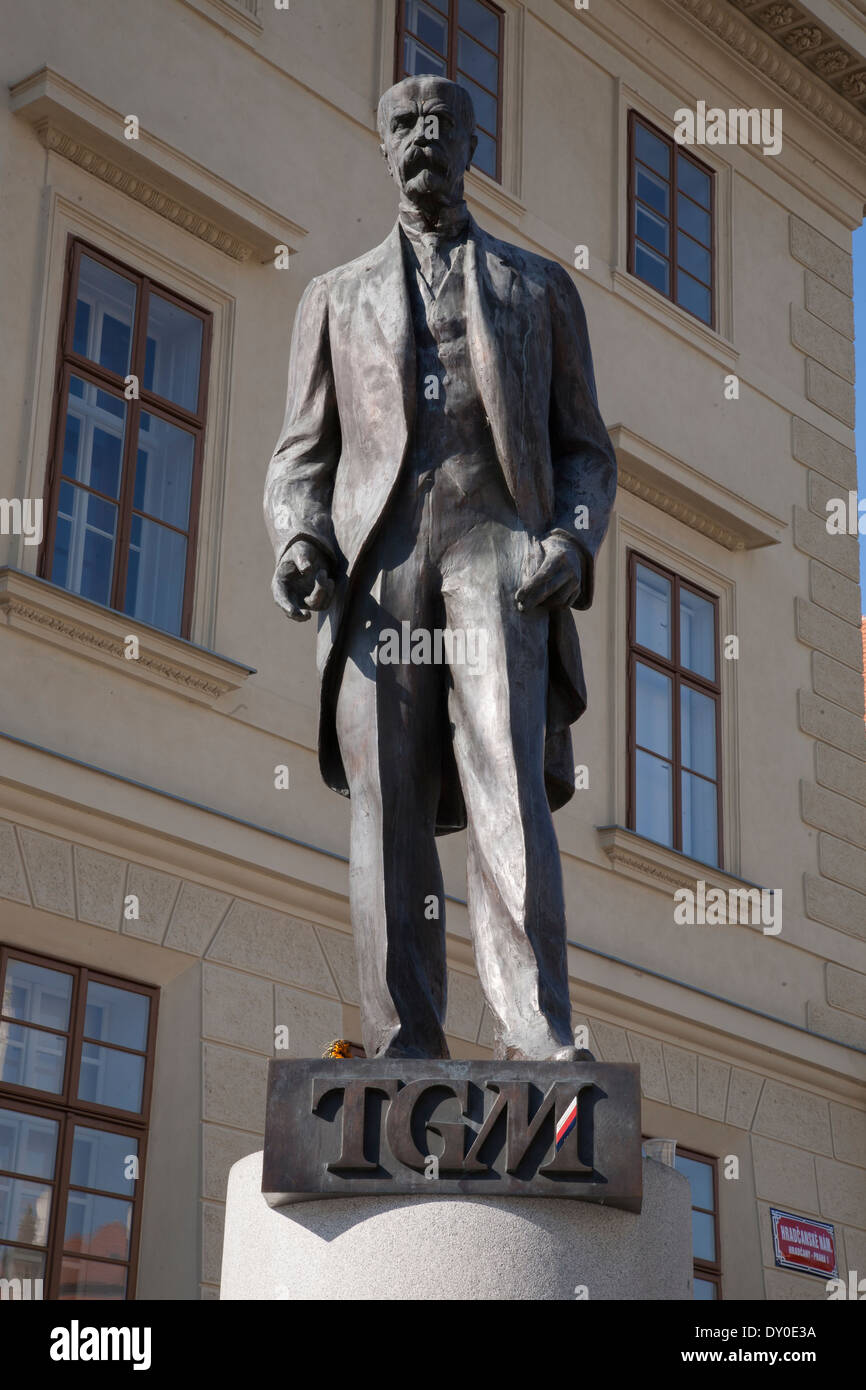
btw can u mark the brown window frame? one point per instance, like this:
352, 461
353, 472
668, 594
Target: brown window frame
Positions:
67, 1110
71, 363
402, 30
680, 675
709, 1270
635, 117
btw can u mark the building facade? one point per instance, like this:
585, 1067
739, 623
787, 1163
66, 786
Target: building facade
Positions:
173, 873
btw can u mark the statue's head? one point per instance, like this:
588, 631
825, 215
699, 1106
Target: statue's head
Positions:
427, 125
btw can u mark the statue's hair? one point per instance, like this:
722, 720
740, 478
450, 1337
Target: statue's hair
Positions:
465, 109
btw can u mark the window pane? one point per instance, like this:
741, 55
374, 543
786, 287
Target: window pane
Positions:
698, 731
156, 575
652, 229
653, 709
653, 616
441, 5
172, 363
650, 267
30, 1058
418, 60
703, 1236
704, 1289
28, 1143
93, 441
99, 1159
695, 297
697, 634
111, 1078
482, 23
693, 220
693, 258
97, 1225
36, 995
484, 103
485, 154
477, 63
116, 1015
654, 798
693, 181
88, 1279
21, 1264
700, 807
24, 1210
83, 560
104, 313
163, 470
700, 1176
652, 151
652, 190
430, 27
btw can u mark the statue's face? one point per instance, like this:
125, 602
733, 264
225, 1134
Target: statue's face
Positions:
427, 138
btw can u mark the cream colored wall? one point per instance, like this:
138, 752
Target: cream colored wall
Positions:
285, 114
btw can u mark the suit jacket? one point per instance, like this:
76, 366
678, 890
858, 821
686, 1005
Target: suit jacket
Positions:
349, 418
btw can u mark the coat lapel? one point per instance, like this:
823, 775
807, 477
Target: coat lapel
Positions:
387, 294
501, 328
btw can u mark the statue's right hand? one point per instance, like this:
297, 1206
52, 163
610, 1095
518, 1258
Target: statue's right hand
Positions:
302, 583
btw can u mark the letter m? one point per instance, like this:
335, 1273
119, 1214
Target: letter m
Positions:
744, 127
740, 900
10, 1289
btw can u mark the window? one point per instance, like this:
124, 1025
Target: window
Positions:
76, 1063
671, 220
125, 471
703, 1176
674, 724
460, 39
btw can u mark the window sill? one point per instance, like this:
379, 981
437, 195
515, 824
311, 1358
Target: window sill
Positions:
646, 861
43, 610
677, 320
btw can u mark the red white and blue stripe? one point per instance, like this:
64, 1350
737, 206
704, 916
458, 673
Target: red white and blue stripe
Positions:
566, 1123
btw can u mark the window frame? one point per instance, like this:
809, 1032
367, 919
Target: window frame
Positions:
70, 363
402, 30
679, 675
708, 1270
68, 1111
634, 118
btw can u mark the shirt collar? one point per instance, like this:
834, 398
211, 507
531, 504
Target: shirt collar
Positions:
449, 224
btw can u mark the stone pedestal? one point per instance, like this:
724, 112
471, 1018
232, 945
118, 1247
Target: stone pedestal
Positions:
429, 1247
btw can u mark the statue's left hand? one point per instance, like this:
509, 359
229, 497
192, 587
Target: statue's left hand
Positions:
557, 581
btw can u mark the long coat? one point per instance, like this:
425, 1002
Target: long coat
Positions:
349, 419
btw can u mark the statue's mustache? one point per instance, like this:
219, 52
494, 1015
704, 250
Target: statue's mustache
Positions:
424, 158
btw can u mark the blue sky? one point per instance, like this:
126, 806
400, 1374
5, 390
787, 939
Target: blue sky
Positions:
860, 368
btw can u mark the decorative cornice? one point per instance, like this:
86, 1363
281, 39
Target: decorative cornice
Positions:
681, 510
76, 125
126, 182
689, 496
817, 58
43, 610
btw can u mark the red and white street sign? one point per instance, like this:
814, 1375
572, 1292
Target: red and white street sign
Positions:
803, 1244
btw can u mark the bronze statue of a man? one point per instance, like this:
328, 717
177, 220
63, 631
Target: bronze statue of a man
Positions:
443, 473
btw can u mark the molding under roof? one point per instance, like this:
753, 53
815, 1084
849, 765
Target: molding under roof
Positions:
804, 57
